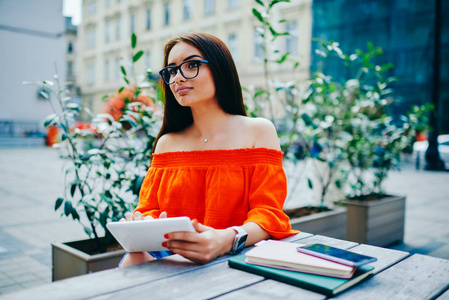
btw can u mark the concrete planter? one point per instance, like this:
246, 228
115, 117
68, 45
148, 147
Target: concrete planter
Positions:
72, 259
379, 222
330, 223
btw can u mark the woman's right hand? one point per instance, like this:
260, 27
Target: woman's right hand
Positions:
137, 216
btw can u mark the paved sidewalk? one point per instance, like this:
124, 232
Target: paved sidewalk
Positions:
31, 180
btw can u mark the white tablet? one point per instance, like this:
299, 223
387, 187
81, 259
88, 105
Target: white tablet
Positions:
147, 235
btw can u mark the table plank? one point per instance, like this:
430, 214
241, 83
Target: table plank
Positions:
271, 289
90, 285
385, 257
203, 283
444, 296
416, 277
333, 242
297, 237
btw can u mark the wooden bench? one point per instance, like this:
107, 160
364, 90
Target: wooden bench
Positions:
397, 275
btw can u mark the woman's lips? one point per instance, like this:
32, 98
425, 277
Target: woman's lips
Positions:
183, 89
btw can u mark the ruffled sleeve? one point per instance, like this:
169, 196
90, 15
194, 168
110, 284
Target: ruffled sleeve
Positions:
148, 202
267, 193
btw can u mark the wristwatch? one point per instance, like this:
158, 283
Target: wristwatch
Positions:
239, 240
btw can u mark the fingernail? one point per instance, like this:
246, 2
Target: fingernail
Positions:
164, 244
166, 235
195, 220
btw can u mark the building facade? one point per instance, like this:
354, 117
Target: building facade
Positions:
32, 44
104, 37
71, 50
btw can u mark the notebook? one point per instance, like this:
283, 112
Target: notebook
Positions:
284, 255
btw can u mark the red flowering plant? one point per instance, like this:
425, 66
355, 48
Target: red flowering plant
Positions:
103, 178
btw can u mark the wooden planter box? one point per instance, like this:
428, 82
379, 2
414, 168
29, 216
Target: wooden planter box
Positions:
72, 259
379, 222
330, 223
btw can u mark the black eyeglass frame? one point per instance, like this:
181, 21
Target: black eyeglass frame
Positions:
178, 68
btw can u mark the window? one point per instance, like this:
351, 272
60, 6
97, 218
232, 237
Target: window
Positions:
291, 42
166, 13
232, 45
148, 18
148, 59
107, 32
90, 38
131, 65
107, 71
117, 68
70, 68
187, 8
70, 48
90, 74
132, 24
258, 45
117, 29
233, 4
209, 7
91, 8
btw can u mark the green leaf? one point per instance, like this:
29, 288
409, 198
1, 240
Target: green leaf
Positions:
108, 194
58, 202
75, 215
121, 89
309, 182
137, 56
68, 208
50, 119
126, 80
87, 230
123, 70
274, 2
104, 217
259, 93
258, 15
133, 40
260, 2
73, 189
44, 94
283, 58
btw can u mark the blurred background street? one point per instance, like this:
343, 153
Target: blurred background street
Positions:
31, 179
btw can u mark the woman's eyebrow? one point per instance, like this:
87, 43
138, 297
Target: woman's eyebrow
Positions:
187, 58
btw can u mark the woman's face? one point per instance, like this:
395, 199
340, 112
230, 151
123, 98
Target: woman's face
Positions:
189, 92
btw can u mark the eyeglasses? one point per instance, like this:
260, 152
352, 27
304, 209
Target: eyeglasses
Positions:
188, 69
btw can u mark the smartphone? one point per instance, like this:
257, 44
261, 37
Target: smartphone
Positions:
337, 255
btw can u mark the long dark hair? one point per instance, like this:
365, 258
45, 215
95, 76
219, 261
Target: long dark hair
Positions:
227, 84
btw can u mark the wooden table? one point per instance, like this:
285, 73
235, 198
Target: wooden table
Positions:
397, 276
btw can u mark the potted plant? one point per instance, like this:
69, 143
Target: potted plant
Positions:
107, 160
372, 146
300, 142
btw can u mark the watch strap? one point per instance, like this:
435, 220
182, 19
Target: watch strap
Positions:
239, 240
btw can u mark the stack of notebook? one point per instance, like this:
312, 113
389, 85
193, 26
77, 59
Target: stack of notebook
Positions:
281, 261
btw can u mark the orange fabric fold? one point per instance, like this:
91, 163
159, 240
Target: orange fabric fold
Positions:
220, 188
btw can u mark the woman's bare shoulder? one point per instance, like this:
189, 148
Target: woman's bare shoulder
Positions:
166, 143
263, 132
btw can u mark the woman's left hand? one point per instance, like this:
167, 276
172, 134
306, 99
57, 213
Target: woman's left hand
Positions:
202, 246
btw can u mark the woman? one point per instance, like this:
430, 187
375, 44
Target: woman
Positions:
211, 162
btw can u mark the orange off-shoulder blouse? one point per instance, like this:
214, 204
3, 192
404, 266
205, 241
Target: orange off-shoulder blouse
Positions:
220, 188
